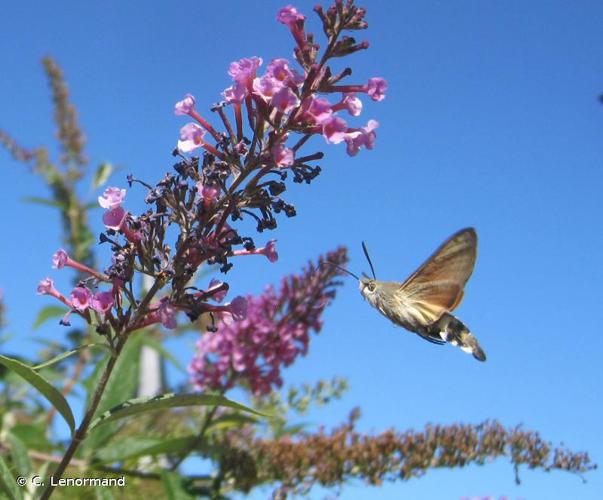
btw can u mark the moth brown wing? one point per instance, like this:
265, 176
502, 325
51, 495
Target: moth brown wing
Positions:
437, 285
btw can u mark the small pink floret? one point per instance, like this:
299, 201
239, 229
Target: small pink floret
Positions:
112, 198
102, 301
285, 100
80, 298
270, 251
238, 308
217, 296
59, 259
46, 287
191, 137
334, 129
289, 16
167, 314
362, 137
376, 88
114, 219
185, 106
353, 104
282, 156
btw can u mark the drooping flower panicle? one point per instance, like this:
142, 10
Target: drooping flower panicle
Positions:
275, 332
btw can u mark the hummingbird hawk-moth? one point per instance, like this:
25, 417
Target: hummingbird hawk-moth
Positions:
423, 302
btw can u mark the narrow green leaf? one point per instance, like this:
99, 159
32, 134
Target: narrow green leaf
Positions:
53, 396
173, 484
8, 483
102, 174
166, 401
232, 420
65, 354
43, 201
47, 313
135, 447
18, 452
155, 344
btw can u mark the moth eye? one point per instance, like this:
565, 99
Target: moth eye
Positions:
371, 287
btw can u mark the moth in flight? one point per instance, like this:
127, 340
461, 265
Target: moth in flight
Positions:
424, 301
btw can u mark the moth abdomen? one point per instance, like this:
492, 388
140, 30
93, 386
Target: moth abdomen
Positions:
452, 330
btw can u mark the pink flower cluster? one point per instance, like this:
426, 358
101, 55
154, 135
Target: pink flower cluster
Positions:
275, 332
288, 100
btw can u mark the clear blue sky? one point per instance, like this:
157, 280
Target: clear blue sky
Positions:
491, 120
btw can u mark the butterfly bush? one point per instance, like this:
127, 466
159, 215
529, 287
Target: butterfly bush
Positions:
275, 332
223, 174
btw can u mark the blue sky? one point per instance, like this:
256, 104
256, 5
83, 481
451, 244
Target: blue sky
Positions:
491, 121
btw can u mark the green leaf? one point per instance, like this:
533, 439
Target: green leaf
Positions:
135, 447
166, 401
64, 355
47, 313
18, 452
233, 420
102, 174
43, 201
33, 436
155, 344
8, 483
53, 396
122, 385
173, 484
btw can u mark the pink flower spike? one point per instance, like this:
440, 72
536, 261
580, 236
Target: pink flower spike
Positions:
80, 298
191, 137
114, 219
185, 106
102, 302
282, 156
289, 16
334, 130
353, 104
167, 313
60, 259
46, 287
112, 198
376, 88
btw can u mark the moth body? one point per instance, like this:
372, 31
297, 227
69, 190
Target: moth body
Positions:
422, 304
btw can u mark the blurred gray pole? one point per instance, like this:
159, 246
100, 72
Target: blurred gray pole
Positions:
151, 381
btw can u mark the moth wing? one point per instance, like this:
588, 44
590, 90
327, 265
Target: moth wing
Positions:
437, 285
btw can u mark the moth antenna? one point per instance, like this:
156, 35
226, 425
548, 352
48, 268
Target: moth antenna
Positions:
366, 254
340, 268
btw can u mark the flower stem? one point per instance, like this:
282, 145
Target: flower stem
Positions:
82, 430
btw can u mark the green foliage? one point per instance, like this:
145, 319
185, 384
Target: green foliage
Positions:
8, 482
164, 402
47, 313
53, 396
